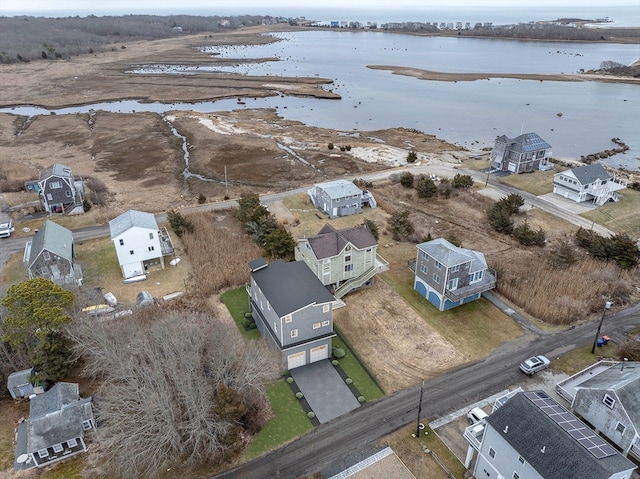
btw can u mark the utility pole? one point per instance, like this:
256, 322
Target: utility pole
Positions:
607, 305
419, 410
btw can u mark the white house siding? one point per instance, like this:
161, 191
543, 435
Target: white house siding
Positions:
144, 248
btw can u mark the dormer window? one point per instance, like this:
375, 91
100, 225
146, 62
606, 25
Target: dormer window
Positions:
608, 401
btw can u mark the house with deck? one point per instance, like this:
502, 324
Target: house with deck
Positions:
340, 198
59, 191
343, 260
448, 276
292, 310
525, 153
587, 183
531, 436
51, 254
140, 244
56, 426
606, 395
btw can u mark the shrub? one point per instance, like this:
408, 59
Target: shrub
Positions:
462, 181
444, 187
86, 205
201, 199
338, 353
426, 188
330, 146
248, 316
311, 414
252, 325
348, 381
299, 395
246, 323
179, 224
406, 179
400, 225
335, 362
412, 156
289, 380
527, 237
373, 227
361, 399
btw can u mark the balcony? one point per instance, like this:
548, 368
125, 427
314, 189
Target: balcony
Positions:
488, 282
473, 435
166, 246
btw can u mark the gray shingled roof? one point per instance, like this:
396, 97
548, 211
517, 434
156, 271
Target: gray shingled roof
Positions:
330, 242
525, 143
450, 255
53, 238
290, 286
589, 173
131, 218
530, 430
56, 170
339, 188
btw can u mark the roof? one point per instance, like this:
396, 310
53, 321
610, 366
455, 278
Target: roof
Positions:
53, 238
330, 242
56, 170
545, 445
56, 416
290, 286
129, 219
451, 255
18, 382
339, 188
589, 173
525, 143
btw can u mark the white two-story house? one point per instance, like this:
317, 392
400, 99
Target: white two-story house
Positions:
587, 183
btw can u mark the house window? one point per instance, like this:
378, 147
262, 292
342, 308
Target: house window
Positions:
347, 258
516, 475
424, 255
326, 308
86, 425
325, 323
316, 325
455, 269
288, 318
121, 242
608, 401
151, 248
67, 194
308, 245
521, 459
438, 265
131, 252
72, 443
54, 185
423, 268
150, 235
492, 453
348, 268
43, 453
475, 277
57, 448
452, 284
294, 333
436, 278
621, 428
49, 197
46, 255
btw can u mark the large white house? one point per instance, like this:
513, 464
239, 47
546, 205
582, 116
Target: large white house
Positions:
139, 243
587, 183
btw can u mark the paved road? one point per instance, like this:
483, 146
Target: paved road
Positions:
449, 392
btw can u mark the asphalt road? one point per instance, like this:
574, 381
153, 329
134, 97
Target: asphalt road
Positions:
447, 393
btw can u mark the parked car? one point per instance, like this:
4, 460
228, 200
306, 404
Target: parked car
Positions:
476, 415
534, 364
6, 229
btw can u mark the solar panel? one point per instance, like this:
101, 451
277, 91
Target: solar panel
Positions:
567, 421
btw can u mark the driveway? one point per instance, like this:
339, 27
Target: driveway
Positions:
324, 390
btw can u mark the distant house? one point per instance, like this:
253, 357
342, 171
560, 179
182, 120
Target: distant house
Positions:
531, 436
340, 198
607, 396
139, 243
20, 384
344, 260
587, 183
524, 153
292, 310
449, 276
59, 191
58, 420
51, 254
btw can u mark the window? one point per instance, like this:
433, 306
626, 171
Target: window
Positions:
294, 333
452, 284
455, 269
516, 475
436, 278
424, 255
348, 268
326, 308
475, 277
150, 235
423, 268
151, 248
521, 459
57, 448
121, 242
492, 453
325, 323
67, 194
275, 326
72, 443
86, 425
288, 318
49, 197
131, 252
316, 325
55, 185
46, 255
608, 401
621, 428
43, 453
347, 258
438, 265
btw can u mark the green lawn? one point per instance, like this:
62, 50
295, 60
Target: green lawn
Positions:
237, 302
289, 421
355, 371
581, 358
620, 217
537, 183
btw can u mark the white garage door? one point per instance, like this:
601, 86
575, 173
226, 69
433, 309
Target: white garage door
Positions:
296, 360
319, 353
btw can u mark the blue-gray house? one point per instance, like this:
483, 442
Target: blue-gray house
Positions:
340, 198
292, 310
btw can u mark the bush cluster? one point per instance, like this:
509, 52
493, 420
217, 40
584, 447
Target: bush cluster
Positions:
619, 248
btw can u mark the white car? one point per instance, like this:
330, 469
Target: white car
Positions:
6, 229
476, 415
534, 364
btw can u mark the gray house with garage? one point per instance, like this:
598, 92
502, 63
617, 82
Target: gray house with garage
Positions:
531, 436
587, 183
524, 153
292, 310
340, 198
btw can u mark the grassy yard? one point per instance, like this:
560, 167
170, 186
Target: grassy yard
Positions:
537, 183
355, 371
581, 358
620, 217
237, 302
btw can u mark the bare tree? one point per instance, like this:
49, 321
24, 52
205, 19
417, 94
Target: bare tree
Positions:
176, 388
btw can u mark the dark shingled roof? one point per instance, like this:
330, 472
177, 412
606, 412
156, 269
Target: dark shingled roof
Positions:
525, 143
589, 173
290, 286
330, 242
530, 430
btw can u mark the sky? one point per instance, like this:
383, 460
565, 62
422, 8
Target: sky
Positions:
258, 5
